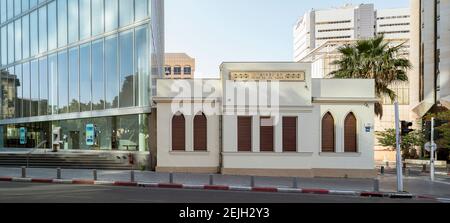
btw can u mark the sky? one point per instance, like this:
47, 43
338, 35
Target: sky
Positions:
214, 31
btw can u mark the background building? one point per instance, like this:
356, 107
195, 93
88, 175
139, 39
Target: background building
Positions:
179, 66
68, 64
327, 30
430, 55
345, 23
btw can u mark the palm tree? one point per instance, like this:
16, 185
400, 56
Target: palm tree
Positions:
374, 59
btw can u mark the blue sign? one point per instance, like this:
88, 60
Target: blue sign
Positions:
90, 134
23, 136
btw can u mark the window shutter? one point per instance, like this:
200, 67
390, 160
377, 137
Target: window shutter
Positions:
289, 134
178, 133
266, 134
328, 134
244, 134
350, 132
200, 133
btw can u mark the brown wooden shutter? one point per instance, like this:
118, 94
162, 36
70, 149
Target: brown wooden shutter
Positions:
244, 134
328, 134
266, 134
289, 134
350, 134
178, 133
200, 133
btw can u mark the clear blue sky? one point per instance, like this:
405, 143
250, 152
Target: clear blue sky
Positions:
213, 31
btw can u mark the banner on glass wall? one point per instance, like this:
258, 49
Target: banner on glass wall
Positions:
90, 134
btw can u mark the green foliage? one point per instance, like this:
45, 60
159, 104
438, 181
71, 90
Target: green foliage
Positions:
374, 59
408, 142
444, 142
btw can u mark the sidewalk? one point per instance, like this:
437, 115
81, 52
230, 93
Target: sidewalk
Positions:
418, 185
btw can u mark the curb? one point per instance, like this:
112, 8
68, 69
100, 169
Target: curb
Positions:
224, 188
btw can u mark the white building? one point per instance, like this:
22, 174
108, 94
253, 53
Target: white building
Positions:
430, 55
266, 119
393, 23
317, 28
345, 23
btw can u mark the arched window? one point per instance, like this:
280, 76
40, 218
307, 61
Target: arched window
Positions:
350, 134
178, 133
328, 134
200, 133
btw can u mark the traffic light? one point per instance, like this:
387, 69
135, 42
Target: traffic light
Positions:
437, 133
406, 128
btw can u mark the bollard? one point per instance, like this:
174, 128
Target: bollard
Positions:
295, 182
211, 179
58, 173
424, 168
94, 173
24, 172
171, 178
382, 170
408, 171
376, 185
252, 181
132, 176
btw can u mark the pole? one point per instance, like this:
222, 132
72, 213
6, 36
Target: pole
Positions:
432, 149
399, 152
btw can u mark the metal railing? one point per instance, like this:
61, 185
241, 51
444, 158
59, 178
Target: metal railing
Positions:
34, 150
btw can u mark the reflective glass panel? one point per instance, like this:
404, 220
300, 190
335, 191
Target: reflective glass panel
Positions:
53, 83
141, 7
111, 74
62, 23
63, 83
11, 43
85, 77
111, 14
73, 20
97, 17
42, 29
85, 19
26, 88
17, 7
126, 14
73, 80
44, 108
18, 39
26, 37
10, 8
34, 35
4, 45
126, 98
142, 65
3, 11
33, 3
25, 5
52, 23
34, 70
19, 97
98, 83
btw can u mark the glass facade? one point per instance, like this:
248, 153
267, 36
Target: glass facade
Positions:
63, 57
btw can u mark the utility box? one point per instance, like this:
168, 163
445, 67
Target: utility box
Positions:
56, 139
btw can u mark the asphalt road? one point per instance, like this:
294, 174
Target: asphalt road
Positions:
11, 192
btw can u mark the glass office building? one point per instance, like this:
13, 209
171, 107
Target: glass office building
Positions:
68, 64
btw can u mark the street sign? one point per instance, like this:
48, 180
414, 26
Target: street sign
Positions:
90, 134
23, 136
429, 146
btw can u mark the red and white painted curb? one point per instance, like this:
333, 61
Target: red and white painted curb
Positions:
223, 188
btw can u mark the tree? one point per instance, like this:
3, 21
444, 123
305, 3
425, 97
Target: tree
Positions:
443, 130
408, 142
374, 59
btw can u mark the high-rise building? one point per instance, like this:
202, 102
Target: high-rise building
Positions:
179, 66
430, 55
81, 69
344, 23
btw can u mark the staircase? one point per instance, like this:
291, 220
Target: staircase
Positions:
66, 161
